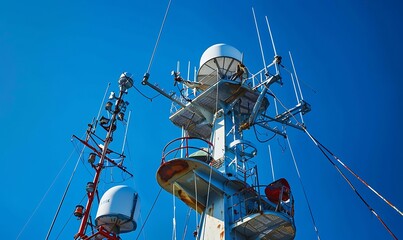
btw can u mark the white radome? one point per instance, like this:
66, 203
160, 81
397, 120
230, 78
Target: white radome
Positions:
118, 210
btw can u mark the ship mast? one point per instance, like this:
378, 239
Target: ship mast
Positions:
215, 176
102, 151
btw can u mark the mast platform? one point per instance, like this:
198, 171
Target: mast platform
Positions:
178, 177
265, 225
196, 117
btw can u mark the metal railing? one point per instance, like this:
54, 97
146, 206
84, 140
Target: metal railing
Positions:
249, 201
186, 147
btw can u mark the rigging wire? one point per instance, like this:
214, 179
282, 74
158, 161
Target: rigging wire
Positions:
321, 148
64, 226
186, 223
64, 194
44, 196
141, 220
68, 220
353, 173
145, 96
174, 210
295, 89
320, 145
126, 130
351, 185
148, 215
303, 188
208, 196
296, 76
159, 36
102, 103
259, 140
196, 215
271, 163
82, 160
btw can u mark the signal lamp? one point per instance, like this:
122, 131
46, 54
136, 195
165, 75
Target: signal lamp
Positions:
121, 116
79, 211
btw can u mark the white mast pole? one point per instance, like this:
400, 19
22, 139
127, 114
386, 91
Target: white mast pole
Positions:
188, 77
299, 87
260, 42
271, 163
296, 76
272, 42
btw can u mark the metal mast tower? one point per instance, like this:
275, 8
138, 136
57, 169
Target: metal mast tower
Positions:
214, 175
119, 206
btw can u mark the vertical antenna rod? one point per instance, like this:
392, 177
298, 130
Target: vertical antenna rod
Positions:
127, 128
158, 38
260, 42
296, 76
272, 42
271, 163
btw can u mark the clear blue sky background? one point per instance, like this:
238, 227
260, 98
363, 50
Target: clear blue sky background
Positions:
57, 57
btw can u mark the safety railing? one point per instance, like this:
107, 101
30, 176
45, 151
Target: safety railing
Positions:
188, 147
249, 201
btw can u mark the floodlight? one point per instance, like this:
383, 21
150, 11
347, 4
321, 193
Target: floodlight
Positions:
103, 121
91, 158
125, 81
121, 116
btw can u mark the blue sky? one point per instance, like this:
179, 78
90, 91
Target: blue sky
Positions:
57, 58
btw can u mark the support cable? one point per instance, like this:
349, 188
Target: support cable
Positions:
303, 188
159, 36
102, 103
321, 147
125, 137
208, 196
197, 218
68, 220
44, 196
174, 217
271, 164
186, 223
351, 185
353, 173
145, 96
64, 194
64, 226
148, 215
295, 90
296, 76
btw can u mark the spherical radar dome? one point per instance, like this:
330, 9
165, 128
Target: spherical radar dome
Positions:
219, 61
118, 210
